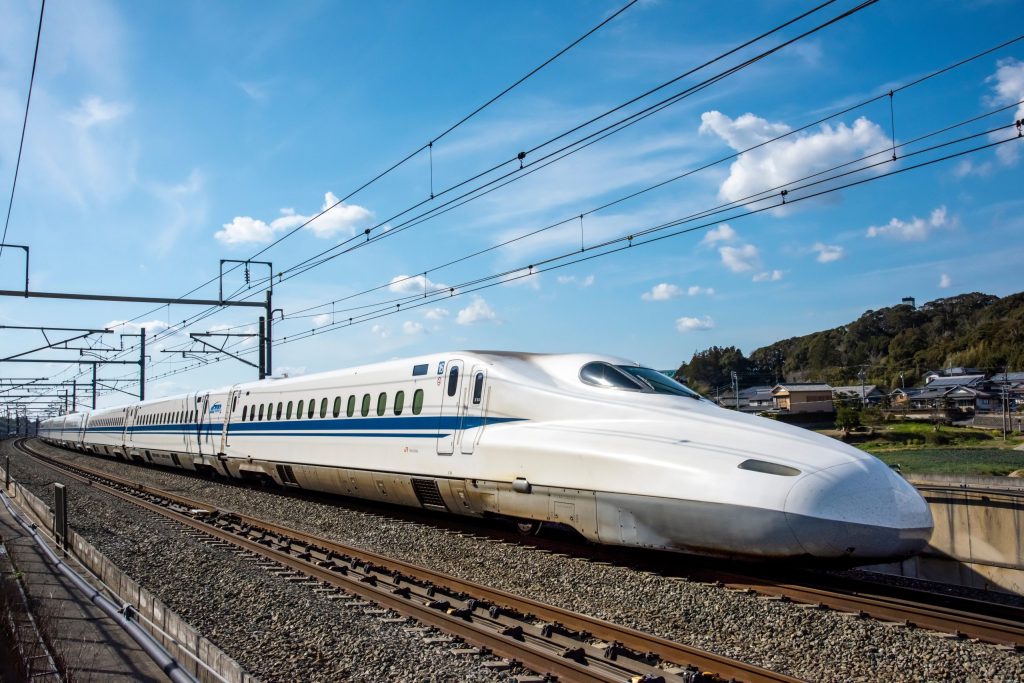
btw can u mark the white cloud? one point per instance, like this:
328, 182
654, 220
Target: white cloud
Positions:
414, 284
662, 292
787, 160
722, 233
322, 319
945, 282
380, 331
436, 313
244, 230
477, 311
572, 279
828, 252
1008, 85
740, 259
94, 110
768, 276
290, 370
411, 328
915, 229
694, 290
125, 327
342, 219
686, 324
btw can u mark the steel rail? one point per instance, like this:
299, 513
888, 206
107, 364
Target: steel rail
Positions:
558, 661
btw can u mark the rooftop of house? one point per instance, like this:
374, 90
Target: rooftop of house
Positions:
856, 389
958, 381
801, 386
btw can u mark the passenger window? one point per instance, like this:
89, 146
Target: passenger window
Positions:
261, 411
312, 408
453, 380
270, 411
245, 412
399, 402
478, 388
298, 411
288, 411
337, 406
382, 403
234, 404
417, 402
351, 409
280, 409
365, 409
323, 407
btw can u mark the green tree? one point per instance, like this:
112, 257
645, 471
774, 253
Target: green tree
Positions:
847, 418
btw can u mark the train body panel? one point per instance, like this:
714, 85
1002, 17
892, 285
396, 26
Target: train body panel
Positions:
591, 442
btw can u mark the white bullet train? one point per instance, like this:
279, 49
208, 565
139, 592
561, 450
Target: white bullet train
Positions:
618, 452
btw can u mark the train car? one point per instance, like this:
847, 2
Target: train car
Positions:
618, 452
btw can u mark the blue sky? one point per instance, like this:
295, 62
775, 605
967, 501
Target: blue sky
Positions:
166, 136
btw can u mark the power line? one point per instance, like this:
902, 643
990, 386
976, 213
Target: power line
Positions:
628, 121
516, 274
577, 144
24, 125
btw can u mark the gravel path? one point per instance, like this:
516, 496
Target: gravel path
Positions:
277, 630
808, 643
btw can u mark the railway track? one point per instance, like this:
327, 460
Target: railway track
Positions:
555, 643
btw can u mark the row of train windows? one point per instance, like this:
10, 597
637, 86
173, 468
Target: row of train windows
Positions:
172, 417
269, 412
109, 422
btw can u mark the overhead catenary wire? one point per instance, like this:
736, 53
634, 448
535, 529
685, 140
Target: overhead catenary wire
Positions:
24, 125
433, 140
580, 143
705, 84
538, 266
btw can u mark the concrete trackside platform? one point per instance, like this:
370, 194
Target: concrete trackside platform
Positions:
92, 645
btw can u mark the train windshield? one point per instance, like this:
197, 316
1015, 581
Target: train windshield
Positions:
659, 382
633, 378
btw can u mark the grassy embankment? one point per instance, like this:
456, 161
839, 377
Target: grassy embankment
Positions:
919, 448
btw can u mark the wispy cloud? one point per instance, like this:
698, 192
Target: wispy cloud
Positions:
915, 229
740, 259
827, 253
662, 292
94, 110
768, 276
687, 324
340, 219
478, 311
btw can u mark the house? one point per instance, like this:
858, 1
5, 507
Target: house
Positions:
803, 397
867, 394
751, 399
957, 381
932, 375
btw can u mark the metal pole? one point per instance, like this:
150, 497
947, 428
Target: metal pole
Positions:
269, 369
263, 348
142, 365
94, 387
74, 396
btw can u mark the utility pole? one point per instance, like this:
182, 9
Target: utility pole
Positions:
1004, 412
863, 397
74, 396
94, 387
736, 388
263, 347
142, 364
269, 369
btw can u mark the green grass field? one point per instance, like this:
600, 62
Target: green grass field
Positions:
918, 448
955, 461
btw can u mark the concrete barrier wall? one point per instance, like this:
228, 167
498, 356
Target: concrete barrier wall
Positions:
978, 539
182, 638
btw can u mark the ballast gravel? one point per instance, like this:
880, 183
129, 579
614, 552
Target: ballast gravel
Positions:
808, 643
277, 630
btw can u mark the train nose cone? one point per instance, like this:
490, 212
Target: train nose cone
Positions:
859, 510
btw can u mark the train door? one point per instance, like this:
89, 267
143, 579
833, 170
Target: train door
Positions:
228, 417
475, 407
202, 423
190, 422
450, 420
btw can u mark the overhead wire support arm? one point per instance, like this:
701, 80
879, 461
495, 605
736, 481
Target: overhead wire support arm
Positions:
247, 262
19, 246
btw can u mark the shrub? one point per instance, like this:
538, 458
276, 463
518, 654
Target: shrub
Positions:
936, 439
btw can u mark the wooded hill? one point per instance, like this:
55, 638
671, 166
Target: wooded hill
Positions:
970, 330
